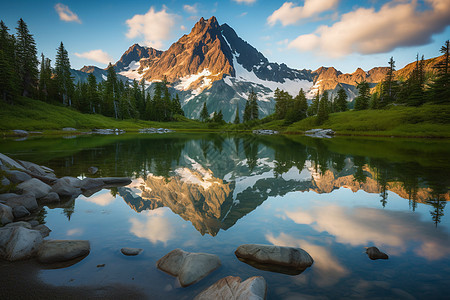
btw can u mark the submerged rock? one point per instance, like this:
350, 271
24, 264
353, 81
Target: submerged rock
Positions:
51, 197
34, 186
17, 242
233, 289
20, 212
44, 230
92, 170
62, 250
188, 267
374, 253
286, 260
64, 189
131, 251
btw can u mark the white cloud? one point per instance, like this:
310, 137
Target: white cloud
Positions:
243, 14
66, 14
154, 26
96, 55
289, 14
156, 228
394, 232
182, 27
366, 31
192, 9
245, 1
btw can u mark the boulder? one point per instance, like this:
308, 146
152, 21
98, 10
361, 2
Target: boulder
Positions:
33, 223
92, 170
6, 214
19, 224
131, 251
374, 253
233, 289
35, 186
188, 267
17, 242
69, 129
17, 177
286, 260
37, 170
91, 183
10, 163
44, 230
19, 132
62, 250
26, 200
20, 211
116, 180
4, 182
64, 189
51, 197
73, 181
320, 133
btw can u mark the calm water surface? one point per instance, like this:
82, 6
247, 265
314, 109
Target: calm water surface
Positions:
211, 193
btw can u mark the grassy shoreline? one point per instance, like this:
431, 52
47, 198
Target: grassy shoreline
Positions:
428, 121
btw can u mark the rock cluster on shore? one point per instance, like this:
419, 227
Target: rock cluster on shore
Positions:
155, 130
265, 131
320, 133
25, 186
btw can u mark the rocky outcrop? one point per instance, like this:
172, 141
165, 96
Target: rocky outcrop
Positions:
6, 214
320, 133
189, 268
35, 187
270, 257
233, 289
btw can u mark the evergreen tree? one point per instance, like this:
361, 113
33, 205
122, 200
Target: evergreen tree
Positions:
9, 79
247, 112
26, 59
389, 86
111, 93
341, 101
204, 115
282, 102
64, 81
297, 110
176, 106
236, 118
439, 91
363, 98
322, 113
92, 95
253, 105
314, 107
45, 87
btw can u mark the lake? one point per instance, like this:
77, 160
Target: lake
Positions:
210, 193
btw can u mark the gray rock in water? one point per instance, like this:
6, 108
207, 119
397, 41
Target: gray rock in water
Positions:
37, 170
231, 288
268, 257
374, 253
64, 189
17, 242
17, 177
51, 197
44, 230
34, 186
19, 132
10, 163
320, 133
92, 170
69, 129
62, 250
27, 200
20, 212
6, 214
188, 267
116, 180
91, 183
131, 251
33, 223
73, 181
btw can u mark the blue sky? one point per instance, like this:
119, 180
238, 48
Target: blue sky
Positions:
304, 34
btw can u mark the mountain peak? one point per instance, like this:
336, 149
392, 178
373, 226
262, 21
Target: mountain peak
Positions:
203, 25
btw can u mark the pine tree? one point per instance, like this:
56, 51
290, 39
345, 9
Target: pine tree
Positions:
439, 91
389, 86
110, 102
92, 94
322, 113
204, 115
297, 109
247, 112
26, 59
314, 107
64, 81
253, 105
341, 101
176, 106
236, 117
45, 87
363, 98
9, 79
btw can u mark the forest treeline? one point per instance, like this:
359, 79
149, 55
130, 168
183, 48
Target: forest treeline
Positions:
21, 73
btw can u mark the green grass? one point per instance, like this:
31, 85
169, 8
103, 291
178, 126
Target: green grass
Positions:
424, 121
29, 114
